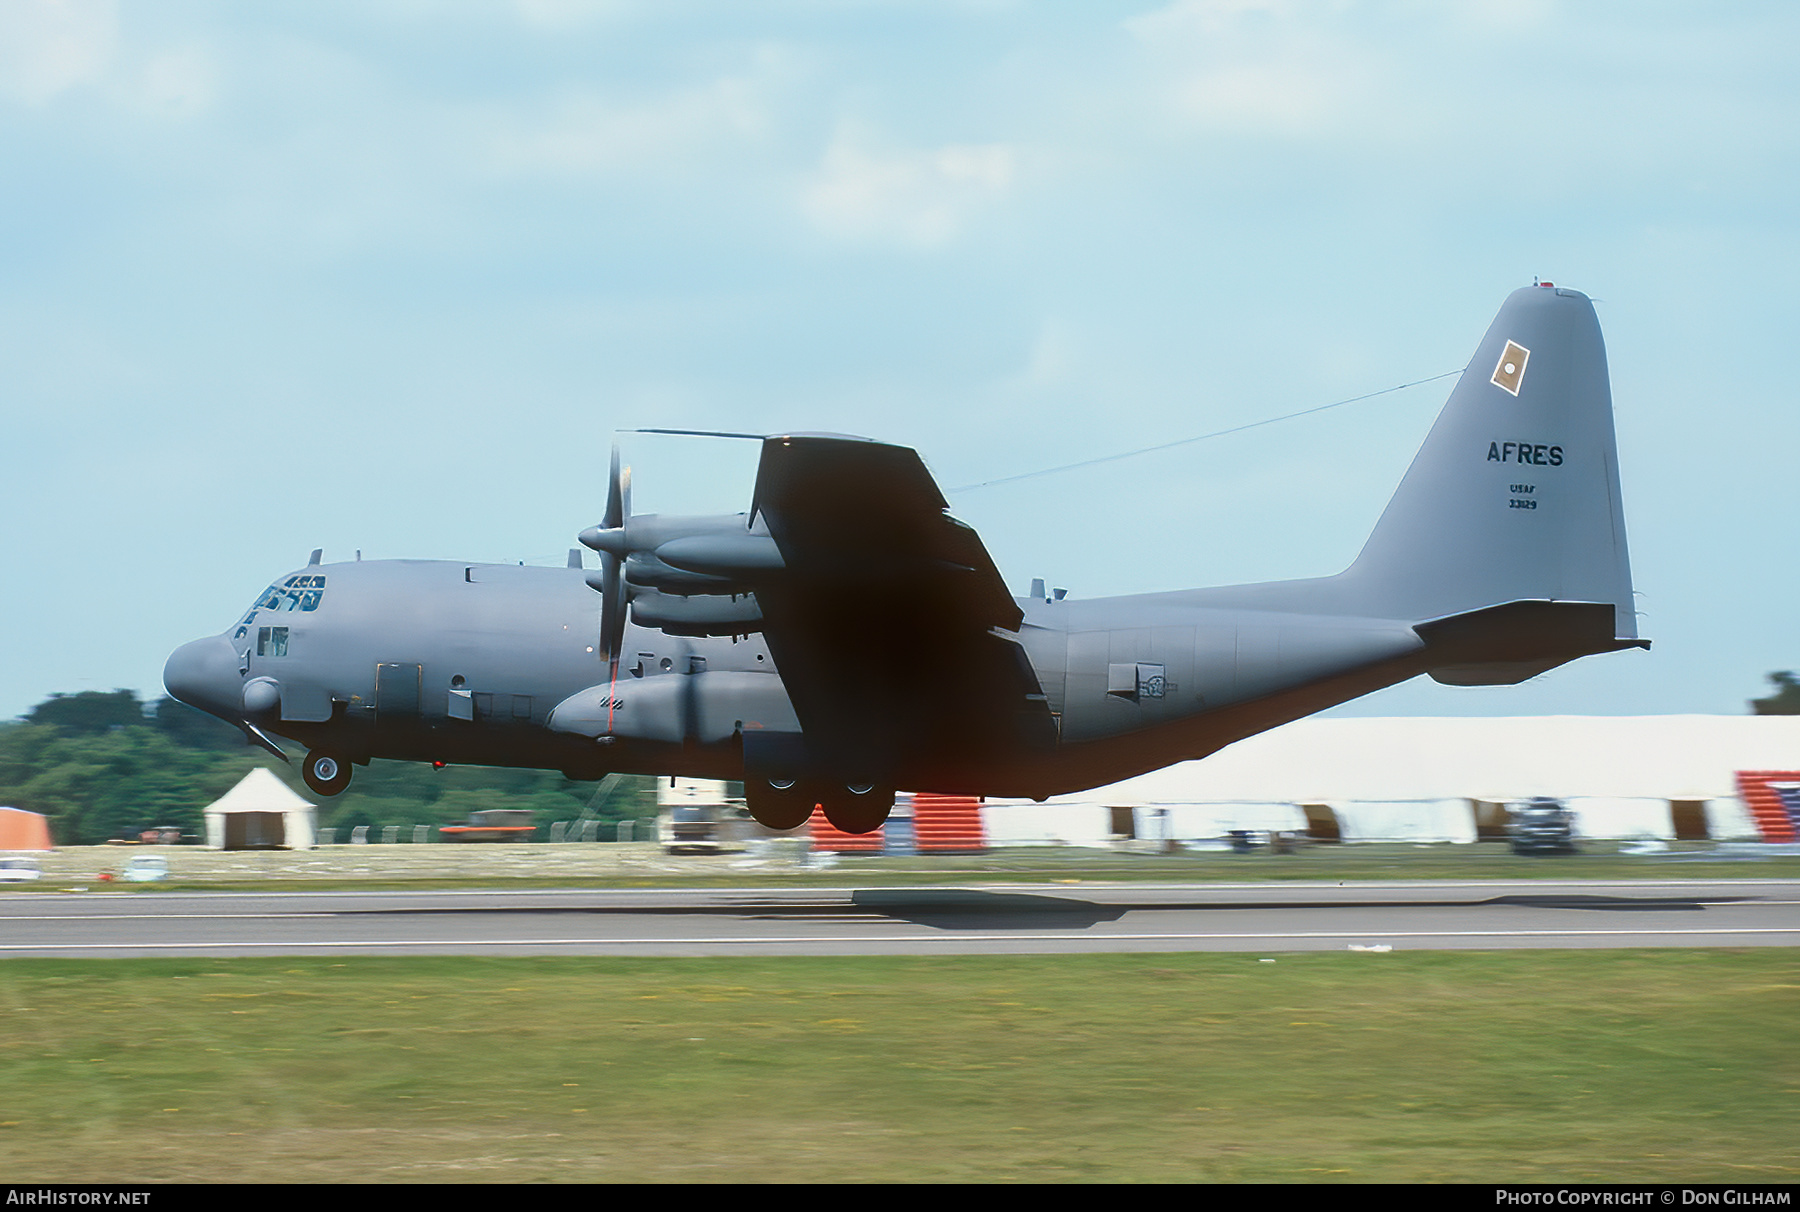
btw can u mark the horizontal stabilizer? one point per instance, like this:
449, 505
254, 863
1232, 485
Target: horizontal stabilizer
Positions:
1501, 645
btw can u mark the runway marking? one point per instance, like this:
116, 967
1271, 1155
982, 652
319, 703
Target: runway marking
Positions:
796, 940
156, 917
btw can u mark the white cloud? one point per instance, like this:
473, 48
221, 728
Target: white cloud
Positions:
50, 46
1258, 67
560, 15
1267, 98
918, 197
1506, 16
1188, 18
179, 82
1052, 359
585, 131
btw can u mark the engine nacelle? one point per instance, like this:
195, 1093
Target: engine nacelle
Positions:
701, 708
708, 614
645, 569
648, 531
736, 556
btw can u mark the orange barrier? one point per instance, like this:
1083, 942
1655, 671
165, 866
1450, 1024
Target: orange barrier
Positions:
827, 837
1772, 811
947, 823
22, 830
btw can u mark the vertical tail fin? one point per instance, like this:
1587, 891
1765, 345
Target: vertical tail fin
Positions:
1515, 493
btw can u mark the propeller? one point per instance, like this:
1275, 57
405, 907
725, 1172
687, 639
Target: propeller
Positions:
608, 538
612, 561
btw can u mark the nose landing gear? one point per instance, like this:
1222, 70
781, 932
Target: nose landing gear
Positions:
326, 773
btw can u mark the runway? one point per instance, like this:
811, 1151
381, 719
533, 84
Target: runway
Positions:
970, 920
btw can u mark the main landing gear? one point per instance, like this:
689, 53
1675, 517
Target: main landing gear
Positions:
858, 807
326, 773
788, 803
778, 803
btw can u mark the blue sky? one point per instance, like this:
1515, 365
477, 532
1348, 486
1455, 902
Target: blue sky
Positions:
386, 276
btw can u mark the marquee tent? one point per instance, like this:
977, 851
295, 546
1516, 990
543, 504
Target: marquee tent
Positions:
260, 813
1423, 779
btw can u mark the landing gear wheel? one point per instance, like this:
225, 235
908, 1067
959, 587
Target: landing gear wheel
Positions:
778, 803
859, 808
325, 773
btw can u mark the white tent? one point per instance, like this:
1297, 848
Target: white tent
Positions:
1414, 778
260, 813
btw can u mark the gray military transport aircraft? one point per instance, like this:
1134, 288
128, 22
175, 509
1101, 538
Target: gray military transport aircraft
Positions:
846, 636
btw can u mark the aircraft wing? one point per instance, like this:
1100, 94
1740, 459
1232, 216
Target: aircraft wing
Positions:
888, 619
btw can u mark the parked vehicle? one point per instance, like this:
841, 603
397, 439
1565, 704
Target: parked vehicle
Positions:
1542, 826
492, 825
698, 815
146, 868
689, 827
18, 870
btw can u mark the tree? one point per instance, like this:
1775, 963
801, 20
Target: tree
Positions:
89, 711
195, 729
103, 766
1785, 700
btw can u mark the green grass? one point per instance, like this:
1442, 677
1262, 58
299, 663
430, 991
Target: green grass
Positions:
1610, 1066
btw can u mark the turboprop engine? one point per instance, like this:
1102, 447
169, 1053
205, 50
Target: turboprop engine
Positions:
686, 576
697, 576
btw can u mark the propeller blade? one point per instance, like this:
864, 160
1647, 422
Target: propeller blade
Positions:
615, 497
612, 605
612, 560
690, 703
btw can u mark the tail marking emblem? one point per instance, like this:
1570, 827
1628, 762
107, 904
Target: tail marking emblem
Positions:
1510, 371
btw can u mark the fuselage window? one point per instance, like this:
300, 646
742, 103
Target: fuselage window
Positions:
271, 641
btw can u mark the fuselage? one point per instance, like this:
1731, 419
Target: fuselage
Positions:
491, 664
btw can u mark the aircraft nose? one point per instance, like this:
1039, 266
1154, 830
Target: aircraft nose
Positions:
204, 674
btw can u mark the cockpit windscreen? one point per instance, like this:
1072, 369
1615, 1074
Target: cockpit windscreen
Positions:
295, 593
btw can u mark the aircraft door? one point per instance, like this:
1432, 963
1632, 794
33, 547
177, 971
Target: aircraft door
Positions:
1085, 684
397, 691
1049, 654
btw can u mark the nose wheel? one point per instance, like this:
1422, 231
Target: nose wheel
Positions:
325, 773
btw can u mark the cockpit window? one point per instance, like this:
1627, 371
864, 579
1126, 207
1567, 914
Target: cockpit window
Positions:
296, 593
